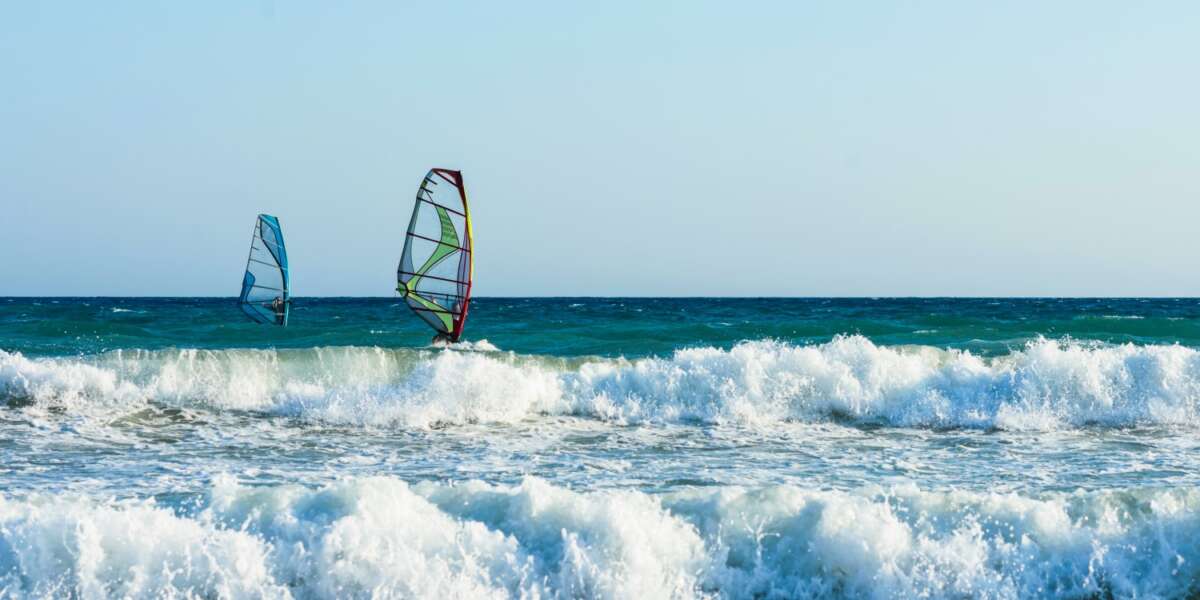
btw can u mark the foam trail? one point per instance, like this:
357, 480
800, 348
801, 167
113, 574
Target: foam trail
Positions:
380, 537
1046, 385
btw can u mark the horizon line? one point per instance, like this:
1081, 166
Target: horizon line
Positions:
678, 297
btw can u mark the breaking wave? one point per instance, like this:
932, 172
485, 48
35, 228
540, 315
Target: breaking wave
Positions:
382, 537
1045, 385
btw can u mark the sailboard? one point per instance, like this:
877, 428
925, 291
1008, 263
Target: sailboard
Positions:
436, 266
265, 296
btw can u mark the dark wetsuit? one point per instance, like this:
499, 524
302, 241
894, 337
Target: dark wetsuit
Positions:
442, 339
280, 307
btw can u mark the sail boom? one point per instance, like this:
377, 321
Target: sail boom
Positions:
434, 277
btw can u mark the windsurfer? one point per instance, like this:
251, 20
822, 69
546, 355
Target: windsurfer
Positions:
279, 306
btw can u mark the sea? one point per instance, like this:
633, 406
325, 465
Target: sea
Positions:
760, 448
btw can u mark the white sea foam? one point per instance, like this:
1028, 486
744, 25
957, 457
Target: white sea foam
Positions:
63, 381
1046, 385
61, 547
475, 346
380, 537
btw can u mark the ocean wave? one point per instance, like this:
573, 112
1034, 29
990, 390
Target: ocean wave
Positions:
1048, 384
382, 537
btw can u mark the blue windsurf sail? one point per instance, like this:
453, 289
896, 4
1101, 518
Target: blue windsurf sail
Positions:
266, 287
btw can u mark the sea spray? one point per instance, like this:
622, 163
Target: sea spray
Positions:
1045, 385
382, 536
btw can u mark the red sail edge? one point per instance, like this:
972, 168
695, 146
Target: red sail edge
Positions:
455, 178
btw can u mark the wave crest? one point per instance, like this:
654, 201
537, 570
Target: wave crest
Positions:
383, 537
1046, 385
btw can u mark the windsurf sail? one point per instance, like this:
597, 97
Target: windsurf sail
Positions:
265, 287
436, 266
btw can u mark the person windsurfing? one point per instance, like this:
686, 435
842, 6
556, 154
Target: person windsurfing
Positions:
436, 266
279, 306
266, 284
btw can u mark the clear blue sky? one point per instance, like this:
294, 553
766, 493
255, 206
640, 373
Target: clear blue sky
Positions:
618, 148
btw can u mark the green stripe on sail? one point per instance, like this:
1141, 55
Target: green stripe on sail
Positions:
438, 310
448, 245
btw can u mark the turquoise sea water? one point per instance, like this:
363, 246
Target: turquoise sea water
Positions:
582, 447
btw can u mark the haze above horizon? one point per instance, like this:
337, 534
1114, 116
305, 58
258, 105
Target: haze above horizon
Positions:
674, 149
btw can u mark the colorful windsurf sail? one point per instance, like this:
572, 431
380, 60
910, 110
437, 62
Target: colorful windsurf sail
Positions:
265, 288
436, 266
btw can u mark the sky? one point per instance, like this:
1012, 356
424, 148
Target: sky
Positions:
685, 148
